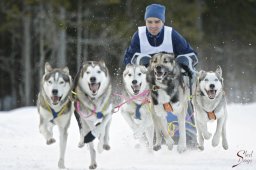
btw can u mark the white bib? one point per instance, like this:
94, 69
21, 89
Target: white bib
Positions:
166, 45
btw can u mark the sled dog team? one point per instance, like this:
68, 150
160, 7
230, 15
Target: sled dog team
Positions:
149, 94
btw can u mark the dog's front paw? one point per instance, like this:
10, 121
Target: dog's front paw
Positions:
216, 140
50, 141
225, 145
80, 144
201, 148
106, 147
93, 166
170, 144
207, 135
181, 148
100, 147
157, 147
61, 164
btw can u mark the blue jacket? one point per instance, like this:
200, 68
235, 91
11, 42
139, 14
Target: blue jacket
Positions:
180, 46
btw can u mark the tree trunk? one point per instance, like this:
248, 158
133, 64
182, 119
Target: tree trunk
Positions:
79, 35
61, 57
27, 59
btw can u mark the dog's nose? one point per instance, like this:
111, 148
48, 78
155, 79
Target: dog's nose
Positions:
93, 79
134, 82
212, 86
55, 92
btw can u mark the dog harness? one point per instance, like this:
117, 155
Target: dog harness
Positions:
54, 113
211, 115
99, 114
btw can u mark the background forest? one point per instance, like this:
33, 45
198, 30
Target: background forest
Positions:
223, 32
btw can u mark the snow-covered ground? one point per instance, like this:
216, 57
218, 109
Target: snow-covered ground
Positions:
23, 148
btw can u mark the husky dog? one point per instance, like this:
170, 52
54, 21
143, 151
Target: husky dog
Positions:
93, 106
210, 104
137, 113
54, 106
170, 94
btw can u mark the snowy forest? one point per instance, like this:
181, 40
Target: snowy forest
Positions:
62, 32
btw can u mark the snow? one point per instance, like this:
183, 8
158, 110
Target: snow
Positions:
22, 147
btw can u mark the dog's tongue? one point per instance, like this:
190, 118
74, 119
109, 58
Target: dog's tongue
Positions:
55, 99
136, 88
94, 87
211, 94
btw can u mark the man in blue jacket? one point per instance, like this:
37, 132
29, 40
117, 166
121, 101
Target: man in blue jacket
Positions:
155, 37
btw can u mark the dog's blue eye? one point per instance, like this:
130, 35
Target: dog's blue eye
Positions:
99, 72
50, 82
62, 82
216, 80
129, 75
139, 74
87, 72
206, 80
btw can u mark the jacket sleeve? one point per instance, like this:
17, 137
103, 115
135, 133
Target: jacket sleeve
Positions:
132, 49
183, 52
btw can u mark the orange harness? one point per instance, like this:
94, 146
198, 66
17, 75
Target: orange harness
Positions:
211, 115
168, 107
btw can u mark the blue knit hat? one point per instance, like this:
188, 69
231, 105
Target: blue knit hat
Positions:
156, 11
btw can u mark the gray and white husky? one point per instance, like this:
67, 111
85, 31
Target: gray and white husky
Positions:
170, 93
137, 113
210, 104
93, 106
54, 106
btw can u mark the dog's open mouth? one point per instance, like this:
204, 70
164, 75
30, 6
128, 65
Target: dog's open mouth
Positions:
211, 93
136, 88
160, 75
94, 87
56, 99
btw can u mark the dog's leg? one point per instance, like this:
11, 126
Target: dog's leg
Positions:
207, 135
106, 145
157, 132
63, 144
200, 136
99, 130
164, 129
182, 130
216, 137
150, 135
93, 156
224, 136
79, 123
130, 122
45, 129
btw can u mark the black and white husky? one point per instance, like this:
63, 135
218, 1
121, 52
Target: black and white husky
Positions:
54, 106
210, 104
170, 93
137, 113
93, 106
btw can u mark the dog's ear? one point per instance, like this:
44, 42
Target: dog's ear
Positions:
66, 70
143, 69
219, 71
126, 70
102, 63
47, 67
201, 75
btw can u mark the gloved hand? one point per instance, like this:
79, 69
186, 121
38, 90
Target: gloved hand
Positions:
183, 61
188, 71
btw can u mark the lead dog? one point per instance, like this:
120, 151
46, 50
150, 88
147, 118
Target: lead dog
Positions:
210, 104
170, 93
137, 113
54, 106
93, 106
